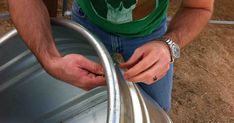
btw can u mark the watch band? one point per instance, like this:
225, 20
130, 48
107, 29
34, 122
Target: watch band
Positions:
174, 48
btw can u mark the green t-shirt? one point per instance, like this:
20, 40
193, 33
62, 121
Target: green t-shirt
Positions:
115, 16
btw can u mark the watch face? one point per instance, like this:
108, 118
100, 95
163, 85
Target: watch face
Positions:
176, 51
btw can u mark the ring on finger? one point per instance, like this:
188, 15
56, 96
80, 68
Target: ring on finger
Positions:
155, 78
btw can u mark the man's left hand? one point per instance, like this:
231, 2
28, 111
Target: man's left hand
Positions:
148, 63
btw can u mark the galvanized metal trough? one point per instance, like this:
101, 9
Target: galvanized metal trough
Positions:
29, 95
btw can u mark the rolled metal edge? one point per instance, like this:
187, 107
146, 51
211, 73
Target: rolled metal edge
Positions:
217, 22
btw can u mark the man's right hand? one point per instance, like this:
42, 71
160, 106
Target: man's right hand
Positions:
77, 70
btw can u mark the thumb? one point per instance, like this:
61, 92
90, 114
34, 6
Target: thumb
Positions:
91, 66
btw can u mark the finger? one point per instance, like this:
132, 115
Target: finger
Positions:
88, 81
91, 78
141, 66
147, 76
161, 73
97, 80
91, 66
79, 75
136, 56
94, 82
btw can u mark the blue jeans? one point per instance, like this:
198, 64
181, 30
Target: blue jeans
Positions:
161, 90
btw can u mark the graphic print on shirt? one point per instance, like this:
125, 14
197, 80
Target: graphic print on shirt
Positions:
116, 11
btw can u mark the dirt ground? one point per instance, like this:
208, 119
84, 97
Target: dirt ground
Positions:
203, 89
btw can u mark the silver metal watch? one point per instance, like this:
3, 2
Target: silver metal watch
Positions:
174, 48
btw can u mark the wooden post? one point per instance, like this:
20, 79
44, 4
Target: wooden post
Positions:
52, 7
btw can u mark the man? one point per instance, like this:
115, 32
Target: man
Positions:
135, 28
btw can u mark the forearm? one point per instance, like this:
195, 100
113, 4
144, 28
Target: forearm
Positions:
33, 24
188, 23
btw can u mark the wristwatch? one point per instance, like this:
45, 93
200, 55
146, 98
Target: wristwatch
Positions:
174, 48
